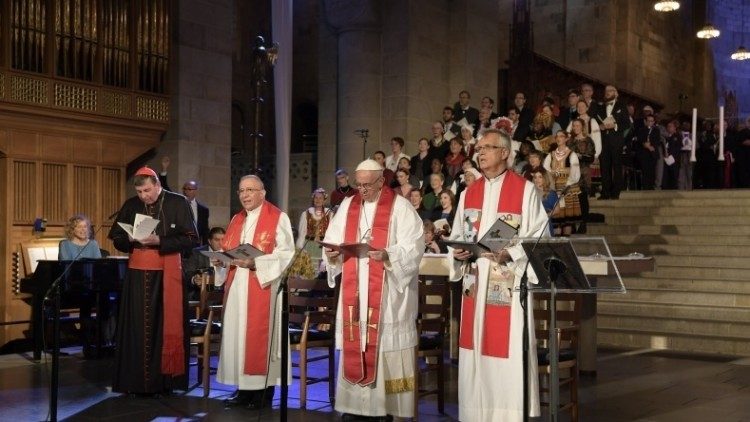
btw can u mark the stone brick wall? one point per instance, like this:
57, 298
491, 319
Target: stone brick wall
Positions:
627, 43
734, 23
199, 138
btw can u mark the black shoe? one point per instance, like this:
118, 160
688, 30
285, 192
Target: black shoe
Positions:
239, 398
261, 399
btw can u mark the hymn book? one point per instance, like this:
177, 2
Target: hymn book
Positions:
142, 227
496, 238
244, 251
349, 249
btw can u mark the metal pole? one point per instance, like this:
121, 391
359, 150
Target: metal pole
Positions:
55, 381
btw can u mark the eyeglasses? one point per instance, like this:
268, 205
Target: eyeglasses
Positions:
486, 148
367, 186
248, 190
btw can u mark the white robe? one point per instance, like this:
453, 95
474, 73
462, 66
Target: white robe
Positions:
397, 327
269, 270
490, 388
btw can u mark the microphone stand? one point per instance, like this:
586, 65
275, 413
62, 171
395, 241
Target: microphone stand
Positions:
54, 289
524, 299
364, 134
284, 291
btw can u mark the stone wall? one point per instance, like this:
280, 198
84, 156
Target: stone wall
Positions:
629, 44
392, 66
199, 138
734, 22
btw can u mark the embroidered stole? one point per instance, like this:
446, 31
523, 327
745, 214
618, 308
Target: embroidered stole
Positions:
496, 330
361, 354
258, 298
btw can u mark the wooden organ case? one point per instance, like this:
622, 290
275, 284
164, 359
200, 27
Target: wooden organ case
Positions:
83, 93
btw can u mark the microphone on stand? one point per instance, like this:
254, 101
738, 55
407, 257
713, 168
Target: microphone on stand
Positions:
114, 214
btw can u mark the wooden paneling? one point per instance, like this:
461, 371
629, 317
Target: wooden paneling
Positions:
24, 192
56, 147
54, 199
85, 187
23, 143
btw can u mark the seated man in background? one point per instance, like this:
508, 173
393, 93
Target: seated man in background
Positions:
197, 263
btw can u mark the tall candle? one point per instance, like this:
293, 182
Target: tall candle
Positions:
695, 124
721, 133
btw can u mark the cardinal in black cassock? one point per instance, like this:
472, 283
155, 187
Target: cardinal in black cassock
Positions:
152, 336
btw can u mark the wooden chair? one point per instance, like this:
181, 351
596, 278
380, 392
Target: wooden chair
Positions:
568, 317
312, 318
431, 328
205, 330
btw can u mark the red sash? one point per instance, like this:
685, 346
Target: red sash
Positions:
172, 350
496, 330
258, 299
360, 367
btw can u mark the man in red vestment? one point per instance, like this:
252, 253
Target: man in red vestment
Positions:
250, 350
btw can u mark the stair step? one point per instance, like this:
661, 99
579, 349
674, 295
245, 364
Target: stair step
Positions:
689, 273
655, 249
703, 211
731, 221
672, 239
685, 343
728, 201
688, 285
607, 229
680, 296
674, 311
704, 328
692, 195
702, 261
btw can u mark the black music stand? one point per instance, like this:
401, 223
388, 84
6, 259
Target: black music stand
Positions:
557, 269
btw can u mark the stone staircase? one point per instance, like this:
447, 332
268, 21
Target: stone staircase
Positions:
698, 298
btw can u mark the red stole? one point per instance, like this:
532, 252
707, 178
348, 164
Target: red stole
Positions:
172, 350
258, 299
360, 367
496, 330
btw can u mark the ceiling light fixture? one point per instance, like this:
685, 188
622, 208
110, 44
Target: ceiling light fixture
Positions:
666, 6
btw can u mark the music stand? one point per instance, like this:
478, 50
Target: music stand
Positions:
558, 270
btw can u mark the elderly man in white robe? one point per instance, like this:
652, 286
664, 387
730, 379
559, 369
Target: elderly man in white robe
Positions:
249, 339
375, 323
490, 371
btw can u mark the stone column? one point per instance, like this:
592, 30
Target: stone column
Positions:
199, 138
353, 101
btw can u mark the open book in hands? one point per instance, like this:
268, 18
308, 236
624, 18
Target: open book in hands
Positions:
142, 227
244, 251
349, 249
496, 238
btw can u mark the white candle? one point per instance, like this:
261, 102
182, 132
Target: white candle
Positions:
695, 123
721, 133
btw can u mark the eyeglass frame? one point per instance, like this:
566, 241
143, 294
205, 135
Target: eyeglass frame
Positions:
367, 186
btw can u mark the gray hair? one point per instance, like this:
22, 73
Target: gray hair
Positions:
502, 135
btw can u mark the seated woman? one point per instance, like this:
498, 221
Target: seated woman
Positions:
565, 168
79, 242
313, 224
432, 243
